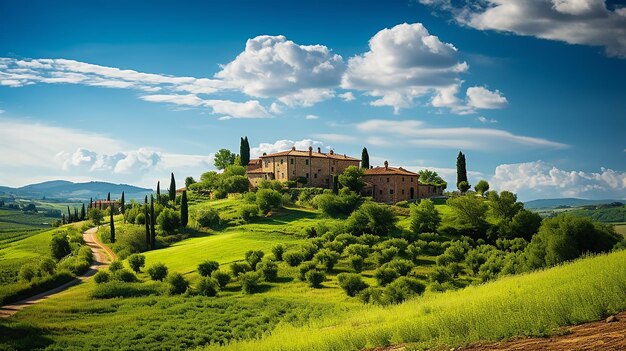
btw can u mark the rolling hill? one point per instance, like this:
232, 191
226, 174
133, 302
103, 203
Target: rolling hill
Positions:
68, 191
571, 202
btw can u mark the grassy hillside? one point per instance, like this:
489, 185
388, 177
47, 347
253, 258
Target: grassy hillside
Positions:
16, 224
533, 304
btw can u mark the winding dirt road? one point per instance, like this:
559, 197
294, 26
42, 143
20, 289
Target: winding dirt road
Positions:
102, 256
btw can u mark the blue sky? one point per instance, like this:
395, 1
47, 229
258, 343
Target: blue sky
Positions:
127, 92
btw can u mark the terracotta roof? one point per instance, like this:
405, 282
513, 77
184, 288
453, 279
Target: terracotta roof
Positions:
389, 171
179, 191
305, 153
257, 171
254, 166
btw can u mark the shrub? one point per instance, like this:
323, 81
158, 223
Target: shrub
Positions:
351, 283
117, 289
207, 267
249, 197
267, 199
101, 277
440, 275
250, 281
327, 258
387, 255
304, 268
124, 275
269, 269
249, 212
208, 217
294, 258
385, 275
401, 289
368, 239
157, 271
336, 246
346, 239
358, 250
222, 278
371, 295
309, 250
47, 266
403, 267
116, 266
398, 243
253, 257
169, 220
208, 286
278, 251
240, 267
424, 217
60, 246
336, 205
136, 262
356, 262
315, 278
371, 218
27, 272
177, 284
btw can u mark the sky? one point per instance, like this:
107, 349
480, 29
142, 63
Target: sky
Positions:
533, 92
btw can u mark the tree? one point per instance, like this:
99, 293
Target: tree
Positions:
90, 202
469, 210
136, 261
463, 187
189, 181
172, 190
335, 185
424, 217
431, 178
69, 215
504, 205
481, 187
96, 216
224, 158
123, 206
244, 152
206, 268
169, 220
157, 271
371, 218
83, 213
184, 210
267, 199
59, 246
461, 171
147, 222
365, 159
525, 224
158, 191
352, 178
152, 224
112, 225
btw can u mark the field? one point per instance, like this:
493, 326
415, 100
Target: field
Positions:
16, 224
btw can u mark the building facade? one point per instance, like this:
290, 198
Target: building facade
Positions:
390, 185
317, 168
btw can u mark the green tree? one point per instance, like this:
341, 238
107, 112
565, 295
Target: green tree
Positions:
157, 271
525, 224
136, 261
172, 189
159, 191
424, 217
112, 225
352, 178
365, 159
463, 187
147, 222
504, 205
82, 213
152, 224
60, 246
431, 178
461, 171
244, 152
267, 199
123, 206
481, 187
184, 210
224, 158
371, 218
469, 210
109, 197
335, 185
168, 220
96, 216
188, 181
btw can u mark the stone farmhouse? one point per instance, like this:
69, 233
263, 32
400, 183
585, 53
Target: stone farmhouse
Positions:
318, 169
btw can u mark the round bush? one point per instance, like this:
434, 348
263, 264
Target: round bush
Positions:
124, 275
47, 266
401, 289
403, 267
136, 262
293, 258
177, 284
222, 278
101, 277
253, 257
250, 282
27, 272
269, 269
240, 267
351, 283
356, 262
315, 278
278, 251
208, 287
169, 220
385, 275
206, 268
304, 268
208, 217
249, 212
327, 258
358, 249
157, 271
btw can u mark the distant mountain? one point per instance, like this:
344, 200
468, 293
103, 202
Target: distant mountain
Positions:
63, 190
571, 202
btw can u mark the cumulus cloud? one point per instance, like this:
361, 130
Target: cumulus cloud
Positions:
539, 179
347, 96
272, 66
285, 144
480, 97
584, 22
483, 119
232, 109
417, 133
311, 117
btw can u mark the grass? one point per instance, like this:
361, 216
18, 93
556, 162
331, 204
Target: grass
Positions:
534, 304
16, 225
621, 229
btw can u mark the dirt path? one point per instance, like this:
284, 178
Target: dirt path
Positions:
595, 336
102, 256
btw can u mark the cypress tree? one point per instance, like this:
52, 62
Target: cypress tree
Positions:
335, 185
152, 220
461, 171
112, 224
184, 210
83, 214
159, 191
76, 218
365, 159
69, 215
147, 221
172, 189
122, 205
90, 202
247, 151
109, 197
244, 151
63, 218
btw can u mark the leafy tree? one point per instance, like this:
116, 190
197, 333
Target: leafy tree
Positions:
351, 283
461, 171
112, 225
206, 268
184, 210
224, 158
327, 258
365, 159
152, 224
525, 224
431, 178
253, 257
315, 278
278, 251
208, 287
169, 220
269, 269
424, 217
178, 284
189, 181
463, 187
481, 187
101, 277
469, 210
60, 246
222, 278
267, 199
157, 271
124, 275
207, 217
385, 275
250, 281
356, 262
371, 218
239, 267
172, 189
352, 178
123, 206
504, 205
136, 261
336, 185
116, 266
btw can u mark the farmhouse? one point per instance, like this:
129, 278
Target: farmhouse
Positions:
315, 169
104, 204
391, 185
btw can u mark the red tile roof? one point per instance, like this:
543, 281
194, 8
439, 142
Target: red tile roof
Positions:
305, 153
388, 171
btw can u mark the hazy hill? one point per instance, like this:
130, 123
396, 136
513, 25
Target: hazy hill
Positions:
69, 191
571, 202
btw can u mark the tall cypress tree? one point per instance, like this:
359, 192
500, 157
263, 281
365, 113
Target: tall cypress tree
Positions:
122, 205
159, 191
76, 218
109, 197
147, 222
172, 189
184, 210
112, 224
69, 215
152, 220
336, 185
244, 151
365, 159
461, 171
83, 214
247, 150
90, 202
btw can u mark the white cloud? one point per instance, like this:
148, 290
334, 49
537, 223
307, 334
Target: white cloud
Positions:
416, 133
337, 138
1, 112
284, 144
248, 109
483, 119
347, 96
584, 22
311, 117
480, 97
272, 66
539, 179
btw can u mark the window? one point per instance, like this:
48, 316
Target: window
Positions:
306, 162
293, 172
402, 178
380, 191
387, 180
291, 161
391, 191
332, 169
281, 161
315, 175
307, 176
411, 180
402, 191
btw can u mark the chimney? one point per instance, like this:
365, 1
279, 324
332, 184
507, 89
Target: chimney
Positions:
319, 150
332, 152
265, 154
293, 148
371, 167
344, 156
310, 150
386, 165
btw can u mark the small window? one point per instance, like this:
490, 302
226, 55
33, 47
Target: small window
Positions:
391, 191
293, 172
380, 191
402, 191
306, 162
411, 180
402, 178
315, 175
387, 180
307, 176
281, 161
291, 161
332, 169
